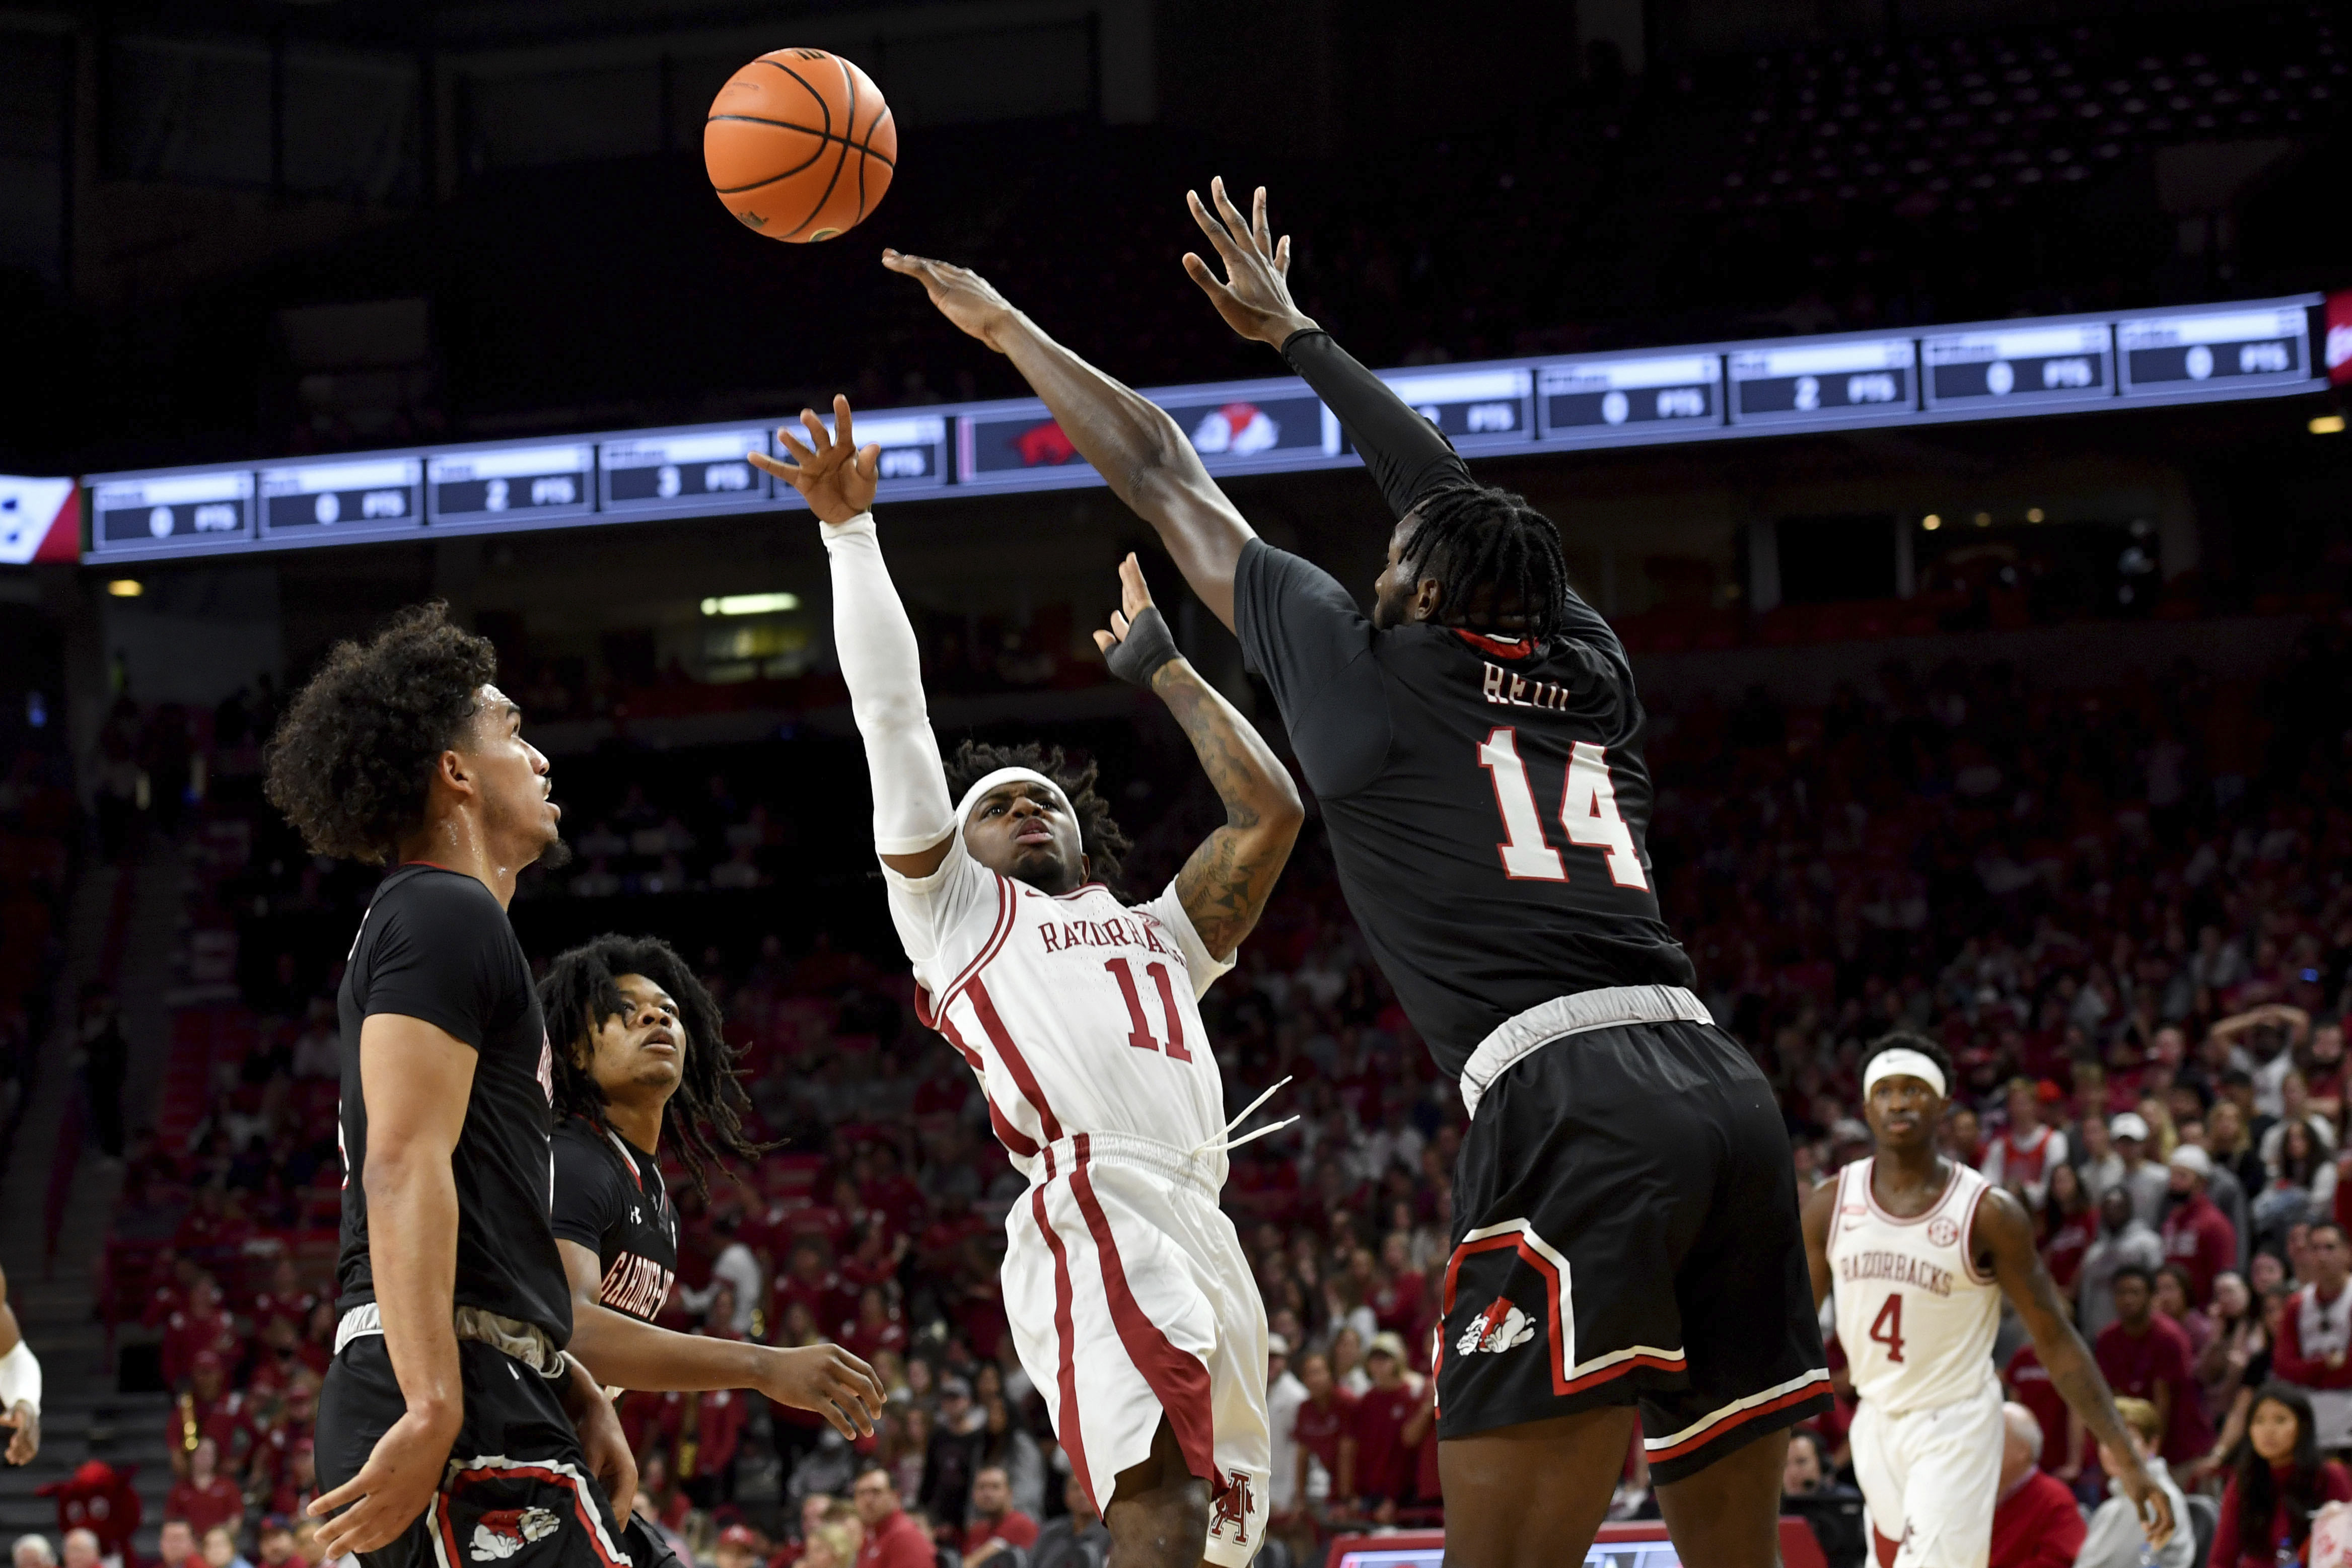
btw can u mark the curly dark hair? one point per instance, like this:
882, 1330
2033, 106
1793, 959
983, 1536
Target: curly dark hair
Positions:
582, 989
351, 761
1498, 557
1099, 832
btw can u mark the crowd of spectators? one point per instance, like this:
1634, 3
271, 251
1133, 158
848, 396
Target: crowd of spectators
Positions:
2124, 912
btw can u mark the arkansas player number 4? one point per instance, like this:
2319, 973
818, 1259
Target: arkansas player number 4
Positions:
1588, 813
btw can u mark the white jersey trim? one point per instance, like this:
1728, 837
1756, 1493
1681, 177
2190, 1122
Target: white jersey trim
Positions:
1605, 1008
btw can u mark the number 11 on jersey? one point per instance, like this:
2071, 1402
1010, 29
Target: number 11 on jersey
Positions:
1588, 813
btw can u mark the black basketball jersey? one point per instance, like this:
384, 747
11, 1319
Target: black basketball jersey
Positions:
1485, 798
435, 945
610, 1198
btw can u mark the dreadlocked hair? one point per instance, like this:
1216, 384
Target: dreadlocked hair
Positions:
582, 989
1098, 831
1497, 557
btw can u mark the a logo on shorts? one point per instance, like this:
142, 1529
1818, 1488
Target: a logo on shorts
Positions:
503, 1531
1943, 1232
1500, 1327
1233, 1506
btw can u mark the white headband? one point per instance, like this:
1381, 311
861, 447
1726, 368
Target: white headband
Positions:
1908, 1064
972, 796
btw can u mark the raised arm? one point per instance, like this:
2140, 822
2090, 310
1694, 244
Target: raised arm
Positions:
914, 821
1406, 455
1224, 886
1131, 442
617, 1348
2002, 1227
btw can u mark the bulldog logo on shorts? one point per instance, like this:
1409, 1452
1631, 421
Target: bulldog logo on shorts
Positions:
1501, 1327
503, 1531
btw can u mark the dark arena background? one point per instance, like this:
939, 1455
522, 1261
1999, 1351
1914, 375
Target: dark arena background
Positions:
1942, 398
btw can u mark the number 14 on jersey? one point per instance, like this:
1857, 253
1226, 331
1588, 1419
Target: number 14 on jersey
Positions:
1588, 813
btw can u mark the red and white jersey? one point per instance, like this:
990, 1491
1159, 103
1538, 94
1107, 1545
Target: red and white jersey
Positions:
1079, 1013
1914, 1314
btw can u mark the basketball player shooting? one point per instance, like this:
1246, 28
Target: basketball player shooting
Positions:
1625, 1209
642, 1053
1919, 1251
1131, 1300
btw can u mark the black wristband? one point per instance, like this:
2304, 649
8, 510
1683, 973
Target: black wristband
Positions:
1136, 656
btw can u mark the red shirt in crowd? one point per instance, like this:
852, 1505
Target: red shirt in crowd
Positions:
1014, 1529
2288, 1361
2037, 1525
218, 1502
2062, 1253
897, 1543
2199, 1237
2334, 1486
1319, 1427
2029, 1385
2138, 1364
1385, 1466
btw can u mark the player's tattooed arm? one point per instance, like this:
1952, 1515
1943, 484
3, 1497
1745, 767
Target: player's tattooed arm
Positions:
1130, 440
1224, 886
2004, 1230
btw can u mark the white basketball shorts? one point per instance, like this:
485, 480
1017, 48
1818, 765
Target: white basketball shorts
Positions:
1130, 1302
1929, 1478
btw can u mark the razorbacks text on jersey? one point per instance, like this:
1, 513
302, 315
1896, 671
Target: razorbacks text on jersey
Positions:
1486, 797
1077, 1012
1915, 1313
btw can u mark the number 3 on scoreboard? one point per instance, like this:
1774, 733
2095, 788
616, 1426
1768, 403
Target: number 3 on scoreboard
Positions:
1588, 811
1887, 1329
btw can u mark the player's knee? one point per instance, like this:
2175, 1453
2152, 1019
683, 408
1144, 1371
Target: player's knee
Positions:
1165, 1528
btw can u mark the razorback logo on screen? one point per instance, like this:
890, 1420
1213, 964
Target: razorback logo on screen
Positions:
2339, 336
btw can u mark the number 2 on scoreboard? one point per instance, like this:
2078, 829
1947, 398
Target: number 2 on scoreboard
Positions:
1588, 812
1887, 1329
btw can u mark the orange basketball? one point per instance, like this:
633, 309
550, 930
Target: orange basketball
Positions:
800, 144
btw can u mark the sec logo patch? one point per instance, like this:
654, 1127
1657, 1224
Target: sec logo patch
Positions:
1943, 1232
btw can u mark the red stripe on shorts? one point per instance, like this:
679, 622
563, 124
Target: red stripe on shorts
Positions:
1813, 1389
1177, 1377
1066, 1427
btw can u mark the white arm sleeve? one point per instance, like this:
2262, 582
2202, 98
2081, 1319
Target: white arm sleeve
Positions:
883, 669
20, 1378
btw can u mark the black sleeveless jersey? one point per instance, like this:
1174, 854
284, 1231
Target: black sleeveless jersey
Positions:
610, 1198
1485, 798
435, 945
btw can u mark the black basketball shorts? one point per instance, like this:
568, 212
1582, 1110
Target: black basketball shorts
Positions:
515, 1491
1625, 1232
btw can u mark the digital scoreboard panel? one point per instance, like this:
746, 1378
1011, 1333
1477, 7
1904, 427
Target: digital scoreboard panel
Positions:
2219, 352
1655, 397
2264, 348
507, 485
357, 496
2005, 368
692, 472
1833, 385
188, 512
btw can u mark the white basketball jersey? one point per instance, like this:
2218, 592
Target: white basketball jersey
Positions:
1914, 1314
1079, 1013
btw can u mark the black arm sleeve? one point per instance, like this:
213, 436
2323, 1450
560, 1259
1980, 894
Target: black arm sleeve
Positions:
1408, 455
587, 1189
446, 953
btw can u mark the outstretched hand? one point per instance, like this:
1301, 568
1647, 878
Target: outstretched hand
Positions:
1254, 297
963, 296
1138, 643
833, 476
1134, 598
